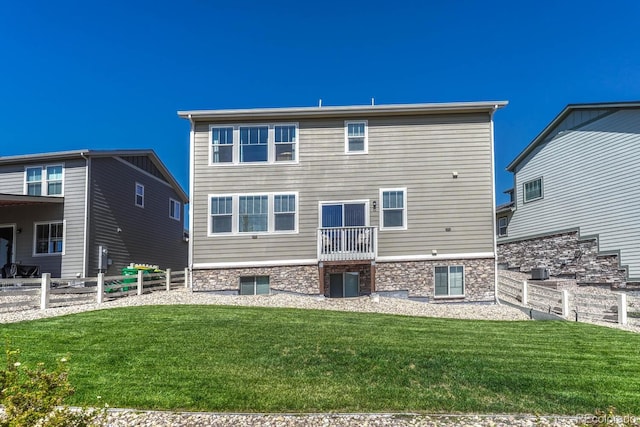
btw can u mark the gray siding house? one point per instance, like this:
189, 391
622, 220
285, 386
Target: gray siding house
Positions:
577, 197
344, 201
58, 209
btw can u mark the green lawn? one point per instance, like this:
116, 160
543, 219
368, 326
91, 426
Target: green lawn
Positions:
214, 358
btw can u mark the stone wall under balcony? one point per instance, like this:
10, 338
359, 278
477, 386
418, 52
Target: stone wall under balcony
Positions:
301, 279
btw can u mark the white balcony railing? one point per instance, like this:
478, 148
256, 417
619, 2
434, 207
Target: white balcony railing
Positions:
347, 243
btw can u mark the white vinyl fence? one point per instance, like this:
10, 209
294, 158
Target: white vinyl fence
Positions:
615, 307
47, 292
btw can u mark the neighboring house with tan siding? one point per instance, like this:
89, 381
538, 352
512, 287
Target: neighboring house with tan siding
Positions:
344, 201
58, 209
577, 197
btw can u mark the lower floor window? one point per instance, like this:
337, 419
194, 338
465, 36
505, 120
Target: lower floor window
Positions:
254, 285
49, 237
449, 280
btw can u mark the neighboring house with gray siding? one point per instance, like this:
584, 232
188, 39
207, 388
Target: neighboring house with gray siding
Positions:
58, 209
577, 197
344, 201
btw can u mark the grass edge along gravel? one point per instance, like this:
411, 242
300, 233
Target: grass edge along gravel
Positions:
242, 359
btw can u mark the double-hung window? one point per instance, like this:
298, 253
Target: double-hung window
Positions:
356, 137
221, 215
259, 143
284, 211
253, 213
449, 281
532, 190
222, 145
49, 238
174, 209
394, 208
139, 195
43, 180
502, 226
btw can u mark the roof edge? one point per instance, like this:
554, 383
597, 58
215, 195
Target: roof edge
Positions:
323, 111
559, 118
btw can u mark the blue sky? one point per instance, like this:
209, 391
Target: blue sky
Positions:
111, 75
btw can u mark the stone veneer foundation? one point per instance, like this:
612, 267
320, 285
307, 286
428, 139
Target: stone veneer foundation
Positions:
417, 277
414, 278
565, 255
301, 279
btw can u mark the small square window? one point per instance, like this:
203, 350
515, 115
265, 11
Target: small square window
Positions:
49, 238
532, 190
356, 137
449, 281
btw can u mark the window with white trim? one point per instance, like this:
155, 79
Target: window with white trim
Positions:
43, 180
532, 190
502, 225
254, 285
174, 209
49, 238
259, 143
356, 136
284, 212
139, 195
221, 214
393, 208
449, 281
253, 213
222, 145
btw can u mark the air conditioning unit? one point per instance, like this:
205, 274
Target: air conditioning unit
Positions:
539, 273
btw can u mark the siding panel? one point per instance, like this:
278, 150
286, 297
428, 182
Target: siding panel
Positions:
590, 183
419, 153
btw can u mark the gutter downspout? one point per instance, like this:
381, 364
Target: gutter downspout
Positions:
493, 209
85, 271
192, 139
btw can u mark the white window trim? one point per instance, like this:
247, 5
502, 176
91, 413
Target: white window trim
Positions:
235, 214
381, 209
177, 209
135, 200
524, 191
506, 220
271, 144
44, 188
35, 238
366, 136
449, 296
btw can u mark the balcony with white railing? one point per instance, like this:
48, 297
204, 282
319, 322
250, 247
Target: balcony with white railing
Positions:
347, 243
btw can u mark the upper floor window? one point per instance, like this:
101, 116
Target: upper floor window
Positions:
222, 145
502, 226
532, 190
139, 195
356, 137
43, 180
174, 209
394, 208
253, 213
263, 143
49, 238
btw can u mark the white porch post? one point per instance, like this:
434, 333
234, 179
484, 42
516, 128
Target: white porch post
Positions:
525, 291
565, 303
186, 278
